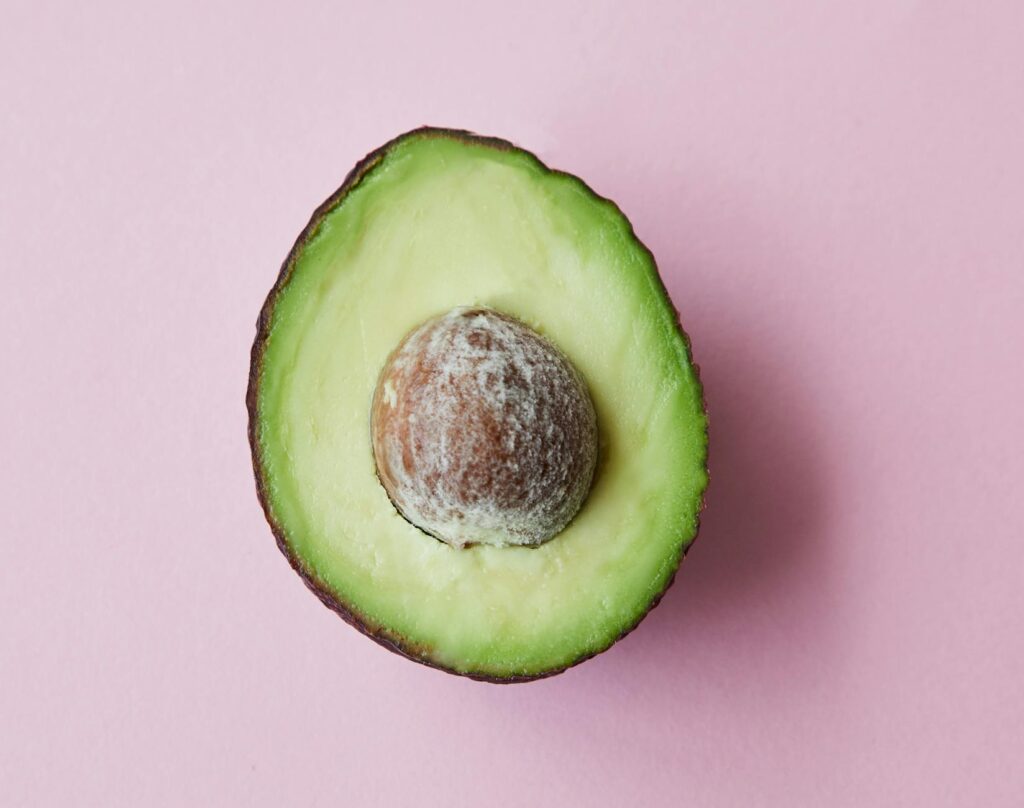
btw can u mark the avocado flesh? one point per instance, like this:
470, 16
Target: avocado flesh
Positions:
438, 219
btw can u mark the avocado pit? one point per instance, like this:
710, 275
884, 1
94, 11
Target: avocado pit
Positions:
482, 431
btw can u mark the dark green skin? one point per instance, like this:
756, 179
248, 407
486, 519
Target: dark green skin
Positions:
378, 633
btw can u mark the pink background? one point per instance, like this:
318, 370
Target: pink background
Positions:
835, 192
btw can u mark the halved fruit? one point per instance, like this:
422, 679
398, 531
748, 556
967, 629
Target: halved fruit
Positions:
435, 220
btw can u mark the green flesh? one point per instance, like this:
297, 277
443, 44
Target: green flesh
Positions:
437, 221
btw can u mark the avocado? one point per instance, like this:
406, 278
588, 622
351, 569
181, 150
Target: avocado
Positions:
477, 430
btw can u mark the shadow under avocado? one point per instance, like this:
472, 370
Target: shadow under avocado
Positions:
759, 557
765, 502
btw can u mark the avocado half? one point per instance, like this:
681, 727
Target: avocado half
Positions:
439, 218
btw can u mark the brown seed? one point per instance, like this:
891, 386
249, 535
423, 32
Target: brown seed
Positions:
482, 430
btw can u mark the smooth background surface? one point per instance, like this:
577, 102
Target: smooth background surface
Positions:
835, 192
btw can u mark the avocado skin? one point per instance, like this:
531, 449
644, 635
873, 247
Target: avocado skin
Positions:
381, 634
